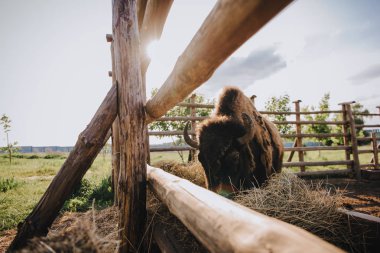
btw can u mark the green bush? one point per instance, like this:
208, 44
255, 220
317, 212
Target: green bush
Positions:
82, 197
20, 156
7, 184
34, 157
53, 156
103, 193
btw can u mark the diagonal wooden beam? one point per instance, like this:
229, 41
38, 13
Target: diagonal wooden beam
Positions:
89, 144
226, 28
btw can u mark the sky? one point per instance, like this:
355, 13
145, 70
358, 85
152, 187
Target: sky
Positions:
54, 60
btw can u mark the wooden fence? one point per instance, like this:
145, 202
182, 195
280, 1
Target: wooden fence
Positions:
227, 27
352, 164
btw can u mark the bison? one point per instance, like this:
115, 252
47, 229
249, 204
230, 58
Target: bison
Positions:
238, 147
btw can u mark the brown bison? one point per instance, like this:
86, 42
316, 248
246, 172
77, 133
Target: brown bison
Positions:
238, 147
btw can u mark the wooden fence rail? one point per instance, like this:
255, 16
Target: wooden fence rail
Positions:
222, 225
350, 146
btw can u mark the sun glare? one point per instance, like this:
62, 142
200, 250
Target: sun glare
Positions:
152, 49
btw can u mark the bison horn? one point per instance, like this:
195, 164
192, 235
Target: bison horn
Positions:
187, 138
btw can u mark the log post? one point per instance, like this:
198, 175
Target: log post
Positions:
375, 151
132, 179
89, 144
346, 140
354, 142
226, 28
115, 132
193, 136
299, 131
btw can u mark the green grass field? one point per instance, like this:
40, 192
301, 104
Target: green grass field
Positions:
24, 181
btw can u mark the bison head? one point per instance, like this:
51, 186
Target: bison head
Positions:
224, 157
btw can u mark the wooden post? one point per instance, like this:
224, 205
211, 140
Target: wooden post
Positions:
89, 144
375, 151
346, 140
226, 28
193, 136
354, 142
115, 133
299, 131
132, 179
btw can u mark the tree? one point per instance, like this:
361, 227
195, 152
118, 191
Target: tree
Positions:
179, 125
324, 105
279, 104
11, 147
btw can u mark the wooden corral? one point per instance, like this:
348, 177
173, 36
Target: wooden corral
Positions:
215, 221
351, 165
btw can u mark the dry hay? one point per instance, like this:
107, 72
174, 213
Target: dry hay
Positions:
285, 197
93, 231
311, 206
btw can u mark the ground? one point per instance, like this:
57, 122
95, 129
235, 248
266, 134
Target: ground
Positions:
361, 196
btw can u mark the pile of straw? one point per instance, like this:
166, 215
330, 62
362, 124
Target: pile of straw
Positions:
312, 207
93, 231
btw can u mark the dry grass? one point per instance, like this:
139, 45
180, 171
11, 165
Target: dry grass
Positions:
313, 207
286, 197
93, 231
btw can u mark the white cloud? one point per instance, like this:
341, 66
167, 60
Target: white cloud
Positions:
243, 71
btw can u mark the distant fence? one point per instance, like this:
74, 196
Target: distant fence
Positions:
351, 163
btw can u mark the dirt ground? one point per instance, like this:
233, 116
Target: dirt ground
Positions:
361, 196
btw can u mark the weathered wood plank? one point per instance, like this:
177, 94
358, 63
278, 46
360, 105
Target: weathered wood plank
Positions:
226, 28
324, 173
89, 144
131, 97
319, 163
164, 149
222, 225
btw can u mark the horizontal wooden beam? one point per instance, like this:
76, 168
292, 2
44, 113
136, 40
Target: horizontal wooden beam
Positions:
169, 133
366, 126
319, 163
313, 135
324, 173
222, 225
318, 148
226, 28
309, 122
367, 138
367, 165
302, 113
365, 114
172, 148
182, 118
365, 151
195, 105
